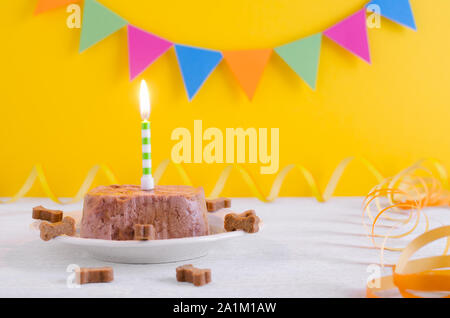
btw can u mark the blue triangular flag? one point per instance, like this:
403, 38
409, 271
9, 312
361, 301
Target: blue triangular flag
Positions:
196, 65
396, 10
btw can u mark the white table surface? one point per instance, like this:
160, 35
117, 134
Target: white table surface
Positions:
307, 249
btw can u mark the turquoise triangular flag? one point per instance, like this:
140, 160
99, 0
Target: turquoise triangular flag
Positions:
396, 10
196, 65
98, 23
303, 57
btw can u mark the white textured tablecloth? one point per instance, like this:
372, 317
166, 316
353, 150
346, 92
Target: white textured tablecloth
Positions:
307, 249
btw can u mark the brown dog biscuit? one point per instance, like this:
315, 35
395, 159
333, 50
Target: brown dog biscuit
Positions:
248, 213
41, 213
52, 230
247, 221
144, 232
196, 276
94, 275
217, 204
181, 272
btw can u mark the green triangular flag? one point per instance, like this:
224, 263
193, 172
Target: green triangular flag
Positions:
98, 23
303, 57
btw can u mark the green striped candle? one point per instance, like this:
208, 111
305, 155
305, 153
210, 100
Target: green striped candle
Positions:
147, 182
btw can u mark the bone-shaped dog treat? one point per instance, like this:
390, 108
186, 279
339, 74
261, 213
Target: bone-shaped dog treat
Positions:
247, 221
41, 213
196, 276
52, 230
216, 204
94, 275
144, 232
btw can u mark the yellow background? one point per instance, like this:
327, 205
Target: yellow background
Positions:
70, 111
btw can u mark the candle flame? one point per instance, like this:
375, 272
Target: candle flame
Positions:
144, 101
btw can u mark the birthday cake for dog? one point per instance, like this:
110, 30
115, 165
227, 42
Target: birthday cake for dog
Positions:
111, 212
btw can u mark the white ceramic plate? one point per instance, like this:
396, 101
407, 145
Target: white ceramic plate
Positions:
158, 251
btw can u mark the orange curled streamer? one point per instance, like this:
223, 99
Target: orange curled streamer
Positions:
420, 275
406, 194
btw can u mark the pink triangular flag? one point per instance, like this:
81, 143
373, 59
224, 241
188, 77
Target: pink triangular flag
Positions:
351, 33
144, 48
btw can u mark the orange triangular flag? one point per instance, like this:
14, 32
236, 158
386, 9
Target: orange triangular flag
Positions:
46, 5
248, 67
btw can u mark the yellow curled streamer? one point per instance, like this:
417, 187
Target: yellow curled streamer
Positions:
159, 171
37, 173
279, 179
424, 274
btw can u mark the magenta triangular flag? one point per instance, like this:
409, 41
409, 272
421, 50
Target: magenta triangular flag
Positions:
144, 48
351, 33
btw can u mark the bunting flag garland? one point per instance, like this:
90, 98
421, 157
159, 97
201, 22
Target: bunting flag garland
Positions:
398, 11
196, 65
98, 23
351, 33
303, 57
47, 5
144, 48
248, 67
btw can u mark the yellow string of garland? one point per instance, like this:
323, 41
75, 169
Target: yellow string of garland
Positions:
37, 173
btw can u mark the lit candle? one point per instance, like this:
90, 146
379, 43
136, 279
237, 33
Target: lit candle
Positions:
147, 182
